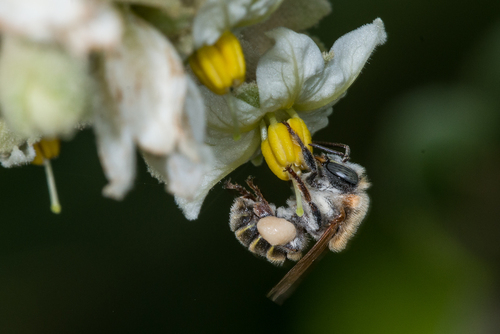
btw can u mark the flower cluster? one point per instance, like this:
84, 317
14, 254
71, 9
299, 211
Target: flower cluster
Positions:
196, 87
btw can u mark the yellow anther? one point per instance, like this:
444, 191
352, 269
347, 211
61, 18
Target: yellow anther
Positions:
46, 149
275, 167
282, 144
300, 128
220, 66
281, 150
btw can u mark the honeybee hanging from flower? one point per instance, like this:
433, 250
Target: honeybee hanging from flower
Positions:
298, 85
329, 203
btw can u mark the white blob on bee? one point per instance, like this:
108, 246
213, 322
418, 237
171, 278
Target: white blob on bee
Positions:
276, 231
335, 202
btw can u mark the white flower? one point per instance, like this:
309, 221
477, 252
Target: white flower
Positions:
292, 74
217, 16
147, 106
146, 81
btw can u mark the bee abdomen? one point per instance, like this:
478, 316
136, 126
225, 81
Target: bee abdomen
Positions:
241, 214
250, 238
263, 248
246, 234
276, 255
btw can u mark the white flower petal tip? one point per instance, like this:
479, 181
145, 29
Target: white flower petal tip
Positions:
17, 157
116, 190
350, 54
117, 155
15, 150
184, 175
228, 155
357, 45
190, 209
379, 24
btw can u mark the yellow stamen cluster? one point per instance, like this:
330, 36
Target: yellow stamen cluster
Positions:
220, 66
281, 150
47, 149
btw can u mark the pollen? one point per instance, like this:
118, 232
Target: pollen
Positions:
280, 149
220, 66
47, 149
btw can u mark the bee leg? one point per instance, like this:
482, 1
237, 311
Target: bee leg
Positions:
243, 192
321, 145
300, 183
261, 207
255, 189
306, 195
308, 157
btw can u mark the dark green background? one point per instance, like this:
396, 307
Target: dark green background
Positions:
423, 118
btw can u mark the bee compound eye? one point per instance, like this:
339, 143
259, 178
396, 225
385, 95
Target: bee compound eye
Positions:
342, 172
276, 231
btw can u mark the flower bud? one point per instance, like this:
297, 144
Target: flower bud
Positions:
43, 90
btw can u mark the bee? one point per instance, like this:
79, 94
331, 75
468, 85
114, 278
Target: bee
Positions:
335, 202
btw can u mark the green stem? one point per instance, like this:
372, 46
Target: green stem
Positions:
298, 197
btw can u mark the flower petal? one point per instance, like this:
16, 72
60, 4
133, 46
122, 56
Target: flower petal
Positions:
101, 31
181, 175
219, 114
296, 15
185, 175
183, 170
229, 155
147, 79
41, 19
216, 16
317, 119
116, 150
18, 156
286, 67
115, 145
82, 25
350, 53
14, 149
193, 129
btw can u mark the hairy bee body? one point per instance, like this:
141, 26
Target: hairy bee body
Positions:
245, 216
334, 190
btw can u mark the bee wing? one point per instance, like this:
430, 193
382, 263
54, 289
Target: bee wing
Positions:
287, 285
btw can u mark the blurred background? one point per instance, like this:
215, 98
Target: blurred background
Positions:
423, 118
